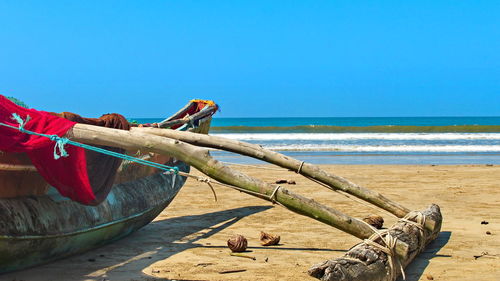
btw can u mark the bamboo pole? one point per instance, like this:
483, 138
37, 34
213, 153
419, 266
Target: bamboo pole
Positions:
308, 170
200, 158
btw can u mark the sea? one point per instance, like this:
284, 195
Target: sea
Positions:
366, 140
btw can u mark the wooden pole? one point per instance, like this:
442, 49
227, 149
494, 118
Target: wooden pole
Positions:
308, 170
200, 158
367, 263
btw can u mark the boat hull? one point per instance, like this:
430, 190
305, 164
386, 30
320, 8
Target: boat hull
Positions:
42, 229
38, 227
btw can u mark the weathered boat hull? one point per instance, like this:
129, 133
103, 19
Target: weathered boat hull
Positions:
43, 229
40, 228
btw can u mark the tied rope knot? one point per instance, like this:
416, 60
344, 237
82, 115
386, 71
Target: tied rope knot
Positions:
20, 121
175, 170
273, 195
59, 150
171, 170
389, 249
300, 167
390, 242
209, 183
202, 179
419, 223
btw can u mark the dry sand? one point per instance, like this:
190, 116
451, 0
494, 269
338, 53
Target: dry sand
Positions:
188, 240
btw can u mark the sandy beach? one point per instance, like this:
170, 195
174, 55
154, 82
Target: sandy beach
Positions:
188, 240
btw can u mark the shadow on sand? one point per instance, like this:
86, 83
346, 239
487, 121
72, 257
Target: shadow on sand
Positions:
416, 268
164, 238
157, 241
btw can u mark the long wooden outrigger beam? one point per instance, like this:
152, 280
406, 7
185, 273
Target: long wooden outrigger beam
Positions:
200, 158
308, 170
363, 262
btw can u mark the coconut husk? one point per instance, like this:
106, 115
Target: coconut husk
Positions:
375, 221
237, 243
268, 239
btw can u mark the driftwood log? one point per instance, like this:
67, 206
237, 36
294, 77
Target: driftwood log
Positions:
308, 170
368, 263
201, 159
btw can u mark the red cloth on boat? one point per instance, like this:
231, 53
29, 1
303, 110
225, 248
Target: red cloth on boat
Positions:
101, 168
67, 174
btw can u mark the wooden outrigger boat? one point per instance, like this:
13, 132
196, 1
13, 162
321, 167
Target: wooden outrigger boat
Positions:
37, 225
40, 227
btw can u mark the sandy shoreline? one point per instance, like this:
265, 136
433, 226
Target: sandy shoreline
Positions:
188, 240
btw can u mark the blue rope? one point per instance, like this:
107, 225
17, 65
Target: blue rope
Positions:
60, 151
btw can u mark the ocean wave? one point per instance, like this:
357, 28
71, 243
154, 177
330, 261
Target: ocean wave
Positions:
359, 136
365, 129
389, 148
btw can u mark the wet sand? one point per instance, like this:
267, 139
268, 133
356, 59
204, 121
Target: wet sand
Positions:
188, 240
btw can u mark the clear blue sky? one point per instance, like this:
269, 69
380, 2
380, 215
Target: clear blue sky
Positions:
254, 58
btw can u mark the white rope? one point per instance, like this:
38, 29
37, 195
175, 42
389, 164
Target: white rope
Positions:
209, 181
390, 241
419, 223
273, 195
316, 181
362, 202
300, 167
389, 249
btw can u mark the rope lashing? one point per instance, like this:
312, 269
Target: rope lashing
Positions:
19, 120
300, 167
60, 142
390, 242
389, 249
314, 180
59, 150
273, 195
419, 224
208, 182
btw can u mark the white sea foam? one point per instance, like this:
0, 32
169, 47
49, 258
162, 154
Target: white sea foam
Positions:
361, 136
388, 148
